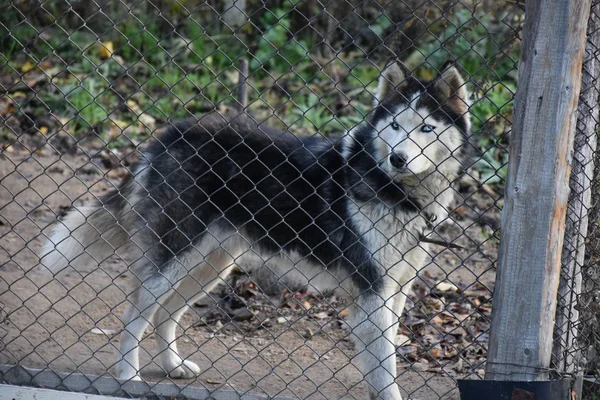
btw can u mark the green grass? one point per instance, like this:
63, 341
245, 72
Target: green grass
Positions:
311, 115
277, 52
91, 103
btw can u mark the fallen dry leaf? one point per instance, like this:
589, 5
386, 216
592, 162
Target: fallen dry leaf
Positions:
344, 313
436, 352
447, 286
421, 366
117, 173
402, 340
106, 49
322, 315
105, 331
27, 66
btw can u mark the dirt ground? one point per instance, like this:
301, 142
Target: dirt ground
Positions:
50, 322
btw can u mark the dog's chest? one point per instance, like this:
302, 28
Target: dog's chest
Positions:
388, 234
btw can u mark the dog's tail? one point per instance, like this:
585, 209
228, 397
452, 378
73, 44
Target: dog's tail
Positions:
92, 233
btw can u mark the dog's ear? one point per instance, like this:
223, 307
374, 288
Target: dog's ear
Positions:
453, 90
392, 78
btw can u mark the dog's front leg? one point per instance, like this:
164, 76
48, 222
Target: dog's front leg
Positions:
399, 303
373, 326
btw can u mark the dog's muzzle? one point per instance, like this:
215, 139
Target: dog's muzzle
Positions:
398, 160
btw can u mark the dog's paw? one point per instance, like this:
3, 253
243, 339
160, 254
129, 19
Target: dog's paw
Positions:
186, 370
390, 393
126, 372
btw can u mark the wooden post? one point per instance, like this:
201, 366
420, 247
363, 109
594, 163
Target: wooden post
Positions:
242, 96
537, 190
565, 351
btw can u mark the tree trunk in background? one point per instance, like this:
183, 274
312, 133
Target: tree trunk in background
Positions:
234, 13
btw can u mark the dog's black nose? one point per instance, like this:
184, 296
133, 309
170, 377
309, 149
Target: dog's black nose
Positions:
398, 160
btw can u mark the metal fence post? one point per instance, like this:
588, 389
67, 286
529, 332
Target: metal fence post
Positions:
537, 190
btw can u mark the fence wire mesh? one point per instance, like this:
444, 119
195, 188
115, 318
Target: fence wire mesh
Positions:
90, 94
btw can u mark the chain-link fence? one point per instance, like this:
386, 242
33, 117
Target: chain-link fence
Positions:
314, 195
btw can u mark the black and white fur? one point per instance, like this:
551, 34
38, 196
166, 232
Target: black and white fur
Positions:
344, 215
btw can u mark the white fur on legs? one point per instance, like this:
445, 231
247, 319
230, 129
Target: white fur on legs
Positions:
155, 292
374, 329
166, 320
144, 303
398, 307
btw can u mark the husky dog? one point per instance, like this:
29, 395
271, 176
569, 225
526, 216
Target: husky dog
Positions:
346, 215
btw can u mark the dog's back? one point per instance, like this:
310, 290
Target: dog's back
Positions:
229, 172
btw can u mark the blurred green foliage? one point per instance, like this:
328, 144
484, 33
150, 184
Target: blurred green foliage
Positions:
188, 65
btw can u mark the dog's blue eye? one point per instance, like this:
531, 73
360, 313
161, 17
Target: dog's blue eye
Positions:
395, 126
427, 128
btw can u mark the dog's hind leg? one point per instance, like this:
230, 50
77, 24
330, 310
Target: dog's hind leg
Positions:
373, 326
216, 256
144, 302
200, 281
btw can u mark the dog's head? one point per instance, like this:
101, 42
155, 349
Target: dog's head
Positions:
420, 126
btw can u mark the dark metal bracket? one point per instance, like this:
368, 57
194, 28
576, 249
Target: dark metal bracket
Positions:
507, 390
